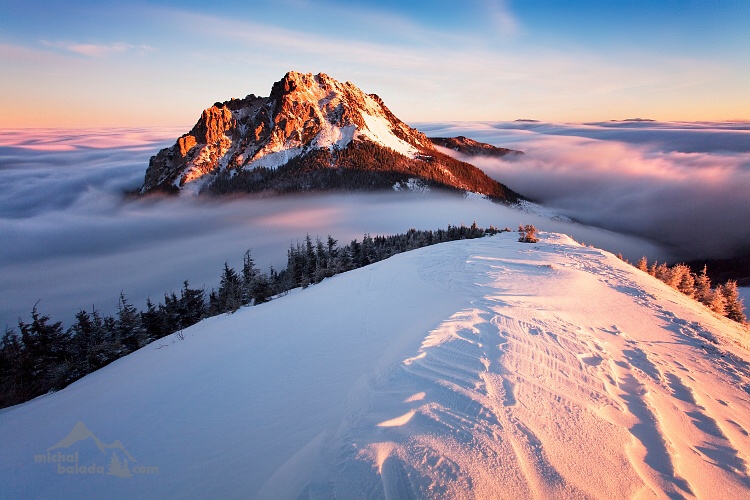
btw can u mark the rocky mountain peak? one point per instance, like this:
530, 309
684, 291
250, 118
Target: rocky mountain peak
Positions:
302, 112
315, 123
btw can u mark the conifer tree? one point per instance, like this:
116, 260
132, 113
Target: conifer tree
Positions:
662, 272
296, 264
11, 358
344, 261
152, 321
321, 261
369, 254
703, 291
192, 305
734, 306
310, 261
129, 329
261, 288
44, 364
687, 282
527, 234
214, 307
230, 290
331, 247
718, 302
355, 251
105, 349
643, 264
680, 277
170, 313
248, 275
83, 342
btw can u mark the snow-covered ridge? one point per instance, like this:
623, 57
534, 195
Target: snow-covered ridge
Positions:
379, 130
541, 210
475, 368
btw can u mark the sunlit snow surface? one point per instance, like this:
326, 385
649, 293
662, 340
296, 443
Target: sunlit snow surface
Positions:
474, 369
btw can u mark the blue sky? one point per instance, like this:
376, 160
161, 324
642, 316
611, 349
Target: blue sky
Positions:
83, 64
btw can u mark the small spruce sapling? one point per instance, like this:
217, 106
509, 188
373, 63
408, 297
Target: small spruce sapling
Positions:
527, 234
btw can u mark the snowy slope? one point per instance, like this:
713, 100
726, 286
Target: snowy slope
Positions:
482, 368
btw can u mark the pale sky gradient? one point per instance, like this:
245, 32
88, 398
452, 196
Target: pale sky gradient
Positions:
83, 63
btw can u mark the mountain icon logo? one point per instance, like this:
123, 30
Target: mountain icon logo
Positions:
81, 433
68, 461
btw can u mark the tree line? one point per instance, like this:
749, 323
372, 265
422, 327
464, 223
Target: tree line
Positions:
42, 356
724, 299
361, 165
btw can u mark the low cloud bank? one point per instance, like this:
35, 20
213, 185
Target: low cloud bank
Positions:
71, 241
653, 184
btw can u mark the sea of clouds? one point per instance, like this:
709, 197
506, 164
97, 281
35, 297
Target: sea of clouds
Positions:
685, 185
71, 240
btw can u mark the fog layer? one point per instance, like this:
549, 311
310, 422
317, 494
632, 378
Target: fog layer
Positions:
70, 239
684, 185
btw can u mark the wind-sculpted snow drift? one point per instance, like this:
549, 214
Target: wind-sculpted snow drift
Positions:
481, 368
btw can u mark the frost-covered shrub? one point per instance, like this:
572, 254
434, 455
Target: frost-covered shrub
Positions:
527, 234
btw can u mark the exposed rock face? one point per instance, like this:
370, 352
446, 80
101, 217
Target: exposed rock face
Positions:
471, 147
308, 123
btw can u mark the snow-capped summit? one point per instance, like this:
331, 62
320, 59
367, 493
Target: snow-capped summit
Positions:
324, 126
322, 112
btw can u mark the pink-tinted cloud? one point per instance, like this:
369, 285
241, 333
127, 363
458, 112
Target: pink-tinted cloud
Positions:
49, 139
695, 202
95, 50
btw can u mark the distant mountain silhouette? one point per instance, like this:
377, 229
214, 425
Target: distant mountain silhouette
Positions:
470, 147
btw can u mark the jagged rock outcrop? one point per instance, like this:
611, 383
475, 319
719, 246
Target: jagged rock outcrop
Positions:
311, 133
470, 147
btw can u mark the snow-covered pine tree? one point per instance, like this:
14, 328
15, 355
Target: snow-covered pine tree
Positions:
681, 278
643, 264
261, 288
214, 307
703, 291
46, 349
230, 290
527, 234
734, 306
11, 356
687, 283
718, 302
248, 275
662, 272
192, 305
128, 327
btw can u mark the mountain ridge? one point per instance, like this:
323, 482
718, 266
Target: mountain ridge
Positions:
470, 147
